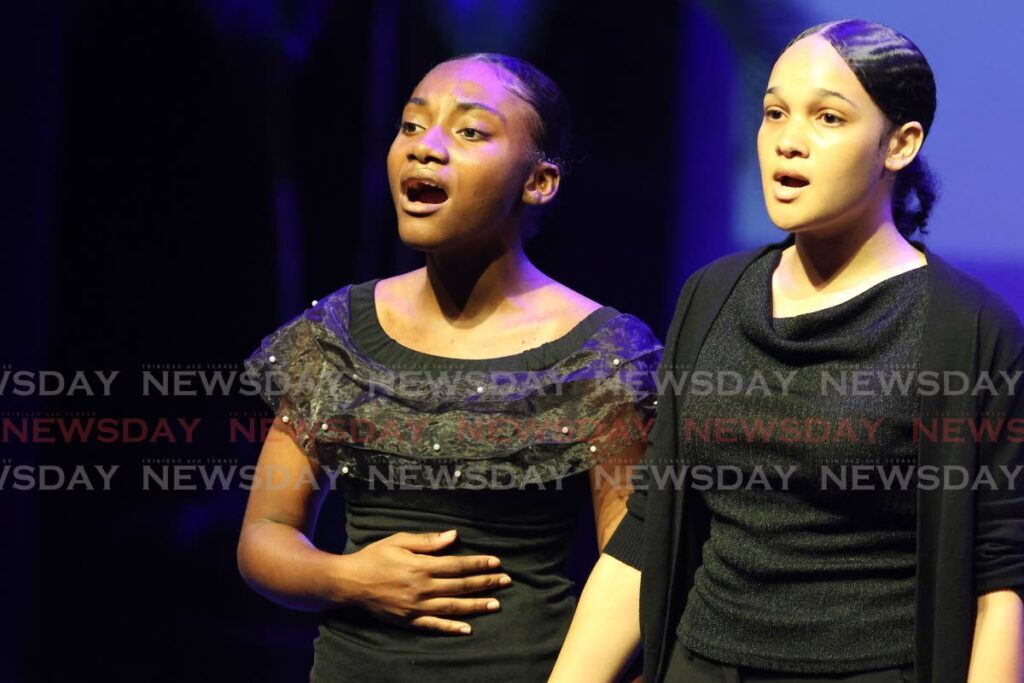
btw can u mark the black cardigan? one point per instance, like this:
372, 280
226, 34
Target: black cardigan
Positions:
968, 329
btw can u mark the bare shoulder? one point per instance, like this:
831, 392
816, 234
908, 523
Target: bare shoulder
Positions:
567, 303
399, 285
394, 295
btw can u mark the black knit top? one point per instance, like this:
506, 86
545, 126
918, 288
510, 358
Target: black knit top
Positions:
969, 537
801, 443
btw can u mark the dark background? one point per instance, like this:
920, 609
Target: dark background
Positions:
181, 177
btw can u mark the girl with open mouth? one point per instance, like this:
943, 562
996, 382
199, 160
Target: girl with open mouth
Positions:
811, 584
456, 582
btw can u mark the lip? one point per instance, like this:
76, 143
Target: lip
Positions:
418, 208
421, 208
784, 193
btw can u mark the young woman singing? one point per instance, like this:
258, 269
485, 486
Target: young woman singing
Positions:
461, 408
811, 578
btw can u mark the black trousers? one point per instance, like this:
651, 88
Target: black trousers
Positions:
686, 666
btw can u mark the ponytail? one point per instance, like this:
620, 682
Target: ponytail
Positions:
913, 195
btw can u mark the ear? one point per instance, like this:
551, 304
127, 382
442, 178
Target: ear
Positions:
542, 184
904, 144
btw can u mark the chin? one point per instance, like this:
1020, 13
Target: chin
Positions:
424, 235
793, 219
820, 229
421, 240
789, 221
786, 226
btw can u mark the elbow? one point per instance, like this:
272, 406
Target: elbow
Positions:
241, 559
245, 558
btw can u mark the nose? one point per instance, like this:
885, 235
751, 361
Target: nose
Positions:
791, 141
430, 147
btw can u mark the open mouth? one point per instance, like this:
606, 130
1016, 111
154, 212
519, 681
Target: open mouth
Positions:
788, 185
792, 181
425, 192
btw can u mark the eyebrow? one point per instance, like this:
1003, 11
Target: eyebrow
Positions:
465, 106
822, 92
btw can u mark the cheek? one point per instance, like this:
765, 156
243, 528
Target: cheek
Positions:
767, 158
763, 151
852, 164
494, 175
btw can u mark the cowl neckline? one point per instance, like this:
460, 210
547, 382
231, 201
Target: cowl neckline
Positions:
848, 328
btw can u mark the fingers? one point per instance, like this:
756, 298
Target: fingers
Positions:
467, 585
444, 607
443, 566
454, 565
423, 543
438, 608
427, 623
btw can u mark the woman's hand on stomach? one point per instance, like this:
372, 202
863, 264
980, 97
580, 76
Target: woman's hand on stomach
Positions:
397, 581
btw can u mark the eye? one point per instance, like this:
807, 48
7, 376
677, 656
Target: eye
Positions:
474, 134
773, 114
408, 127
831, 119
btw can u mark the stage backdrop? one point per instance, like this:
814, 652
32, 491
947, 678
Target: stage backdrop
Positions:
183, 176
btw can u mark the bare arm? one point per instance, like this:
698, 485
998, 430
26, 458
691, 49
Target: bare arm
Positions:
605, 631
275, 555
611, 486
997, 655
394, 579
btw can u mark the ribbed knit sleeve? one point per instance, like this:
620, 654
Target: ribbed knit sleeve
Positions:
999, 531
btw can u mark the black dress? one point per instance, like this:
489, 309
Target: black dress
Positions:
498, 449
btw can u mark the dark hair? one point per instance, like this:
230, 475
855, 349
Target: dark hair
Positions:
899, 80
550, 128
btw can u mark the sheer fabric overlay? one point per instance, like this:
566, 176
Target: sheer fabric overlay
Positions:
455, 425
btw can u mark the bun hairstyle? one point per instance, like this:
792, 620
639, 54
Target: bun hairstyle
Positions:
898, 78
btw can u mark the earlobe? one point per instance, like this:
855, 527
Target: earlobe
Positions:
894, 164
531, 196
542, 185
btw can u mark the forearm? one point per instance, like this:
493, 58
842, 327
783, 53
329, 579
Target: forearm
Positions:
279, 562
997, 655
605, 631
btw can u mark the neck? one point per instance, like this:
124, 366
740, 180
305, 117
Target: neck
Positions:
847, 257
470, 283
